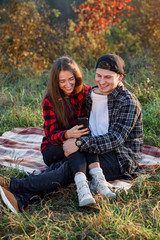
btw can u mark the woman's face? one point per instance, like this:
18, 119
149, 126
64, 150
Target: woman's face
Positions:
67, 82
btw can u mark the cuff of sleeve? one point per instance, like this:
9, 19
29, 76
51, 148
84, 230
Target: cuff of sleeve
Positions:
83, 140
63, 135
78, 140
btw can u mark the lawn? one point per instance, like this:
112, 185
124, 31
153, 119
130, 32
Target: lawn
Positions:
135, 215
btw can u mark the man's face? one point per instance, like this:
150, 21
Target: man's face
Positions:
106, 80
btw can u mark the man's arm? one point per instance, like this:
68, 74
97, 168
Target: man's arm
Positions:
121, 127
118, 131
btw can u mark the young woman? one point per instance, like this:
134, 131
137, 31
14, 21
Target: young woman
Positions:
63, 103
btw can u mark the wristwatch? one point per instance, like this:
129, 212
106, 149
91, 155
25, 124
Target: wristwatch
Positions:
78, 142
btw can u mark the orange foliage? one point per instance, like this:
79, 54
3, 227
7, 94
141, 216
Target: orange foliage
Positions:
98, 15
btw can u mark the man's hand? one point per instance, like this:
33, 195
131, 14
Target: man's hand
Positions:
69, 147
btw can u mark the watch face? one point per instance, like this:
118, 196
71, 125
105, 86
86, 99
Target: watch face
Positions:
78, 143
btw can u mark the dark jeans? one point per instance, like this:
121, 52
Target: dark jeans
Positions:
59, 175
54, 154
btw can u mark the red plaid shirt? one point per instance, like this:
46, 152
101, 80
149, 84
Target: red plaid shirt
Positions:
53, 135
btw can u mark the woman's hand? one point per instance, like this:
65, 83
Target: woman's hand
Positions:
120, 84
76, 132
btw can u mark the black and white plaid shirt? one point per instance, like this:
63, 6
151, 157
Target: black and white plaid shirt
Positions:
125, 133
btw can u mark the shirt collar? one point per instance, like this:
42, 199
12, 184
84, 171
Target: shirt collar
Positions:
114, 93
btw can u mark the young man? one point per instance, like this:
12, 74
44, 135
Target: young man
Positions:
115, 121
115, 143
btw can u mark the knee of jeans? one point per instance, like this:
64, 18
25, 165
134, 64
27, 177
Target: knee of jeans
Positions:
47, 162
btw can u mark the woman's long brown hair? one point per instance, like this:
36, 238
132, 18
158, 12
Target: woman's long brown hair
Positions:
61, 102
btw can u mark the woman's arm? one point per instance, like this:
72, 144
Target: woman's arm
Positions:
51, 127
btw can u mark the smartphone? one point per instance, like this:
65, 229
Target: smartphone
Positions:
84, 121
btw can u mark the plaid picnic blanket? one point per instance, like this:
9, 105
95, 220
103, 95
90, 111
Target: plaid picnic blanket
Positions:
20, 149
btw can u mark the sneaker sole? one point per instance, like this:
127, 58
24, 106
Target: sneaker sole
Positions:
6, 202
88, 203
109, 195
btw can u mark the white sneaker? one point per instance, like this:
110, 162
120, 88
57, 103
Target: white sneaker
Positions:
101, 186
84, 194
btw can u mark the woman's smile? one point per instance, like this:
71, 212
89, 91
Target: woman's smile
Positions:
67, 82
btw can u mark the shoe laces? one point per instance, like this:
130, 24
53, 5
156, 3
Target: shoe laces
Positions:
100, 182
83, 189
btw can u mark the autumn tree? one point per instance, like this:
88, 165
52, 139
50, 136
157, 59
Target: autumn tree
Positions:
90, 33
96, 16
26, 36
145, 24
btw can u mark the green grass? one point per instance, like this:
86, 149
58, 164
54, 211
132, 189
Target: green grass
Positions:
21, 103
151, 123
21, 100
135, 215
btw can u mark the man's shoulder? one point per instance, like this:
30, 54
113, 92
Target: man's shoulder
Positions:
124, 96
131, 96
90, 91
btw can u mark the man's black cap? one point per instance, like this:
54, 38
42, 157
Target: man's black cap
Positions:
111, 62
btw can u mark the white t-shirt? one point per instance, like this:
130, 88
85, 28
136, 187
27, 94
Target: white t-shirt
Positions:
99, 117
